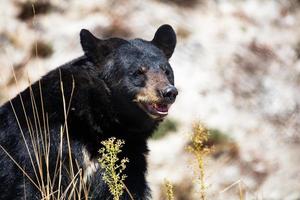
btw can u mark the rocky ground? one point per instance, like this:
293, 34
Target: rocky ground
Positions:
236, 66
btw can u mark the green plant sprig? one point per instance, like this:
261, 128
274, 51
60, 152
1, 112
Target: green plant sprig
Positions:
113, 167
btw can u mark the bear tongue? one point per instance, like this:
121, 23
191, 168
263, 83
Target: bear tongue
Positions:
161, 108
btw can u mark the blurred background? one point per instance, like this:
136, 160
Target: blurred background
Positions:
236, 66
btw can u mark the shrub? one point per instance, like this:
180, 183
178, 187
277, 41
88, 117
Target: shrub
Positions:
113, 167
165, 127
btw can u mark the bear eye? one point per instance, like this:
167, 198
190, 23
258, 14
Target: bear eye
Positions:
140, 71
167, 72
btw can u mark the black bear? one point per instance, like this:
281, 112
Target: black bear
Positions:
50, 133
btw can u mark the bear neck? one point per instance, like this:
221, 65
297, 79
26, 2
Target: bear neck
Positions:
99, 117
116, 124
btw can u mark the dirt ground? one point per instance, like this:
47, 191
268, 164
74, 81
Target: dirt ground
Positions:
236, 66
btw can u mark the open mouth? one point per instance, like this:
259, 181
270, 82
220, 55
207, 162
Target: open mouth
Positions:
156, 110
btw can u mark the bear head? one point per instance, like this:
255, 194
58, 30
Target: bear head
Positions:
136, 72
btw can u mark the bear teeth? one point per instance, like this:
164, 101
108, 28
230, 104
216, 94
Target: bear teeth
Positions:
156, 110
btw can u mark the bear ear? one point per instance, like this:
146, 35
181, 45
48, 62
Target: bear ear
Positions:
165, 39
98, 49
88, 41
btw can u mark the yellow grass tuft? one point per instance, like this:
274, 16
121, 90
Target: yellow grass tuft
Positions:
199, 150
169, 190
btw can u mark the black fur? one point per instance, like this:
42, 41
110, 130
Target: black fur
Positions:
98, 90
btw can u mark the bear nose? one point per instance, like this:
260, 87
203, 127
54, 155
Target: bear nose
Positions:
170, 93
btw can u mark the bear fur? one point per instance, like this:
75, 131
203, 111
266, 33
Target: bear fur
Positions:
118, 88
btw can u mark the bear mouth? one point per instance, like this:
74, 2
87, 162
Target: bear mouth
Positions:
155, 110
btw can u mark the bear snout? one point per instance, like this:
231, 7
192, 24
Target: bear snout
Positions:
169, 94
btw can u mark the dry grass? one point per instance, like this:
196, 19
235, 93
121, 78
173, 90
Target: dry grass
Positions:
28, 9
197, 148
169, 190
40, 141
41, 49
